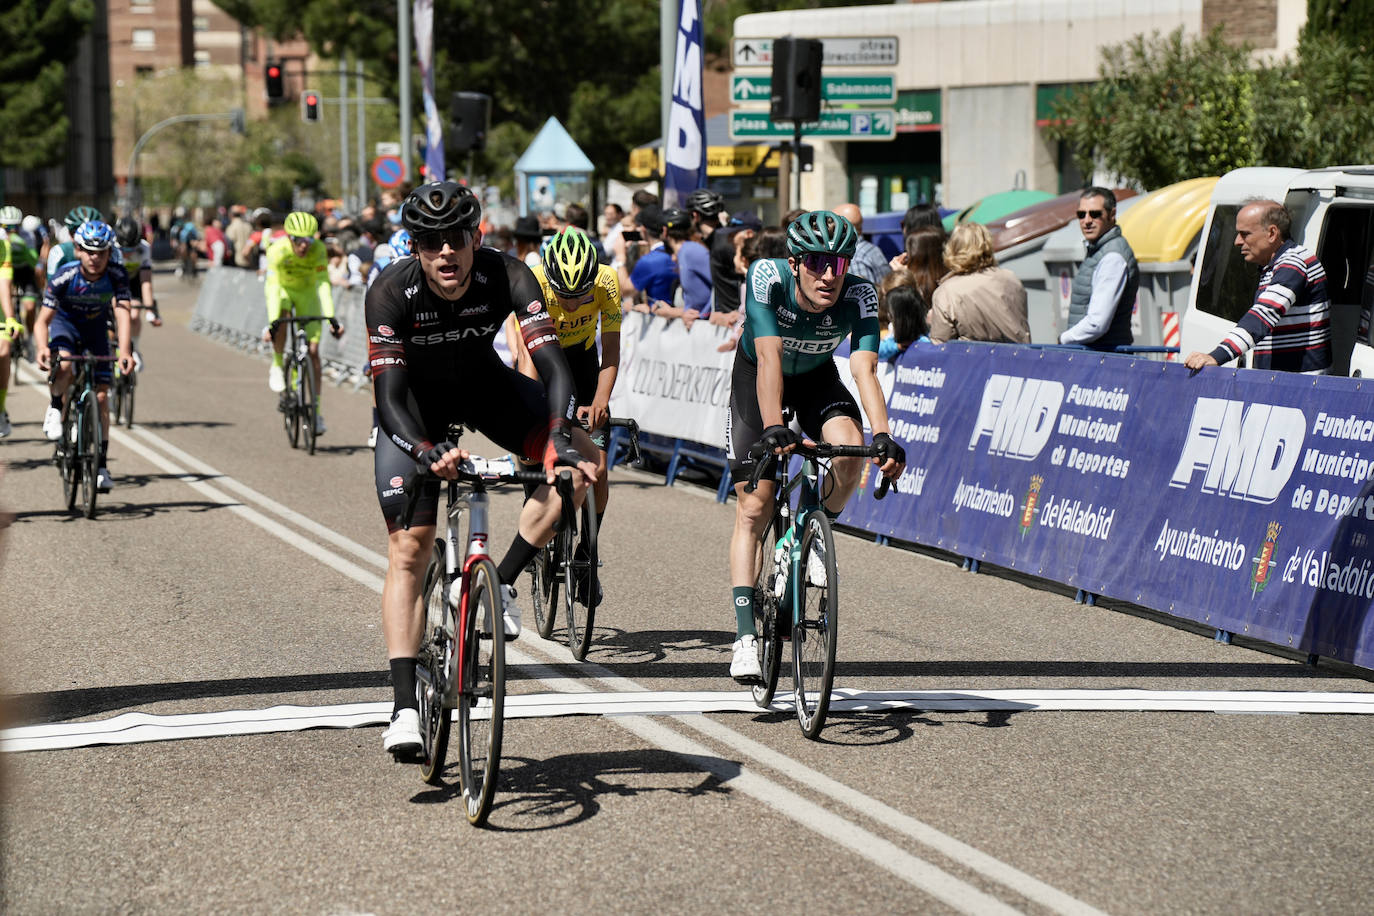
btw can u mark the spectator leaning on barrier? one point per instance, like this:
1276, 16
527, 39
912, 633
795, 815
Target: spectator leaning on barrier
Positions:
869, 263
977, 300
239, 231
657, 273
726, 278
1104, 289
1289, 326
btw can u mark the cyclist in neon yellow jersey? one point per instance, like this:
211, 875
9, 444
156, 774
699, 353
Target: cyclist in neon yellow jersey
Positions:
11, 332
297, 282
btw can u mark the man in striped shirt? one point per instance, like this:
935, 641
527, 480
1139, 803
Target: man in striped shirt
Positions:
1289, 326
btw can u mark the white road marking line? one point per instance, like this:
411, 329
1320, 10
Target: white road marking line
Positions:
1024, 884
137, 727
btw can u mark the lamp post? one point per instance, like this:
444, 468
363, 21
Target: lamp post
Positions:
234, 116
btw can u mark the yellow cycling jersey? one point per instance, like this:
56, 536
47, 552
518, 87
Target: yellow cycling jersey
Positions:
578, 325
300, 279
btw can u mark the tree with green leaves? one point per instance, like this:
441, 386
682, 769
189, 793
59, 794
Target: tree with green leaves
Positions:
1351, 21
38, 38
1167, 109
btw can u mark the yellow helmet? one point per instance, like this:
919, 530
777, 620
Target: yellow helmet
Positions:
302, 224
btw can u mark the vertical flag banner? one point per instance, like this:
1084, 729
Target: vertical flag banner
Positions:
423, 17
686, 140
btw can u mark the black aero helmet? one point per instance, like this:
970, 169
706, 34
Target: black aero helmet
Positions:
440, 205
705, 201
128, 232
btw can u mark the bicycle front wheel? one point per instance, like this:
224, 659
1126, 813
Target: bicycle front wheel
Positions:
766, 615
582, 585
436, 663
290, 406
68, 456
814, 635
89, 451
544, 589
307, 403
130, 385
482, 696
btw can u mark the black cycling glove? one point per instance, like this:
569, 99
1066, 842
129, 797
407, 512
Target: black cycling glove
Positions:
334, 327
888, 449
560, 449
775, 437
434, 453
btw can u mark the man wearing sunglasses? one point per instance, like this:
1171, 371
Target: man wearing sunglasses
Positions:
1103, 294
797, 312
431, 320
298, 282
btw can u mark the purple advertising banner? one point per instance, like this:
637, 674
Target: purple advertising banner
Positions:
1236, 498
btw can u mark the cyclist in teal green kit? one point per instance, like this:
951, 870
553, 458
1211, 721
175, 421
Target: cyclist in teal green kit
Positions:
798, 310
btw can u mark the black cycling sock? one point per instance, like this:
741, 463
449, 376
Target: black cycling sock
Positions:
517, 558
403, 683
744, 610
831, 514
55, 402
104, 452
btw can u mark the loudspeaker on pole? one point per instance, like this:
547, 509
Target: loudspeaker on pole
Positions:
796, 79
470, 114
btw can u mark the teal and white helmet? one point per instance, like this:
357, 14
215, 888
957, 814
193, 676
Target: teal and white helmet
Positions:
821, 232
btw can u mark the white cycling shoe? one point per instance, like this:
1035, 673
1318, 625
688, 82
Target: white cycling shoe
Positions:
744, 666
402, 736
320, 428
5, 427
104, 481
276, 379
52, 424
510, 612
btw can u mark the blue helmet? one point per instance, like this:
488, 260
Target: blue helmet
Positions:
95, 235
400, 243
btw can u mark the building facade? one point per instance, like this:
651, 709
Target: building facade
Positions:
976, 79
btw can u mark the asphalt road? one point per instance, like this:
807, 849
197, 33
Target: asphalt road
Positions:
219, 576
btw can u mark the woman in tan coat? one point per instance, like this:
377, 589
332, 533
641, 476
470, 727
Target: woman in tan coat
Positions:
977, 300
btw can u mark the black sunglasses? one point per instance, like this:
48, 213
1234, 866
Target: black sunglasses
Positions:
1095, 214
430, 242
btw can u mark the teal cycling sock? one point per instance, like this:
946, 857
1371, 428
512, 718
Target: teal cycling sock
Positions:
744, 610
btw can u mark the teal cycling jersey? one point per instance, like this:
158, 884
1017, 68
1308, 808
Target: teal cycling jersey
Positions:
809, 339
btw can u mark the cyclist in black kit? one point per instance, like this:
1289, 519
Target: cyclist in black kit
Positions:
431, 320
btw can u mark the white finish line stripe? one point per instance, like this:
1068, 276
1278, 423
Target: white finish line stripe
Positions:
136, 727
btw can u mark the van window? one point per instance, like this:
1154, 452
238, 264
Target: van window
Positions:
1227, 283
1345, 249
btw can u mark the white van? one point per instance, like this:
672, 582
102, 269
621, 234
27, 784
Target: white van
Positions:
1333, 215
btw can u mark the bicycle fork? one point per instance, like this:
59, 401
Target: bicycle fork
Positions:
475, 504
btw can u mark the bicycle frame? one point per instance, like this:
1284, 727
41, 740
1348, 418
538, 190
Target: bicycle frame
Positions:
472, 499
807, 482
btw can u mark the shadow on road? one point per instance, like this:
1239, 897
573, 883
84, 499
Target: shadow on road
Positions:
568, 789
611, 646
181, 424
59, 705
120, 512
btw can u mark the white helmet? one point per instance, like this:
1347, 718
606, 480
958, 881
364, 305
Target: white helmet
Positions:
31, 223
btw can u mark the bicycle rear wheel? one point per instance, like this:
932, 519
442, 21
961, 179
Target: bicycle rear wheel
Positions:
435, 666
582, 580
117, 391
307, 403
291, 414
89, 452
482, 698
544, 589
766, 615
131, 385
814, 635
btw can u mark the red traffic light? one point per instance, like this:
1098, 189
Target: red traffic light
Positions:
276, 86
310, 106
311, 100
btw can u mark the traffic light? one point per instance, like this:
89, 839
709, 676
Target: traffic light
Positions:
276, 86
310, 106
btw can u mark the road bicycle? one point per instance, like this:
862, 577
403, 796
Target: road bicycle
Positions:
571, 563
77, 453
299, 402
462, 659
124, 385
796, 591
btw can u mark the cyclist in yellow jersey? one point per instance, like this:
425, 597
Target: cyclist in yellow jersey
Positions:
582, 295
297, 282
11, 332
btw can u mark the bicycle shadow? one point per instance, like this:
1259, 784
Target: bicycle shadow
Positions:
119, 512
344, 450
181, 424
28, 464
614, 647
536, 795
